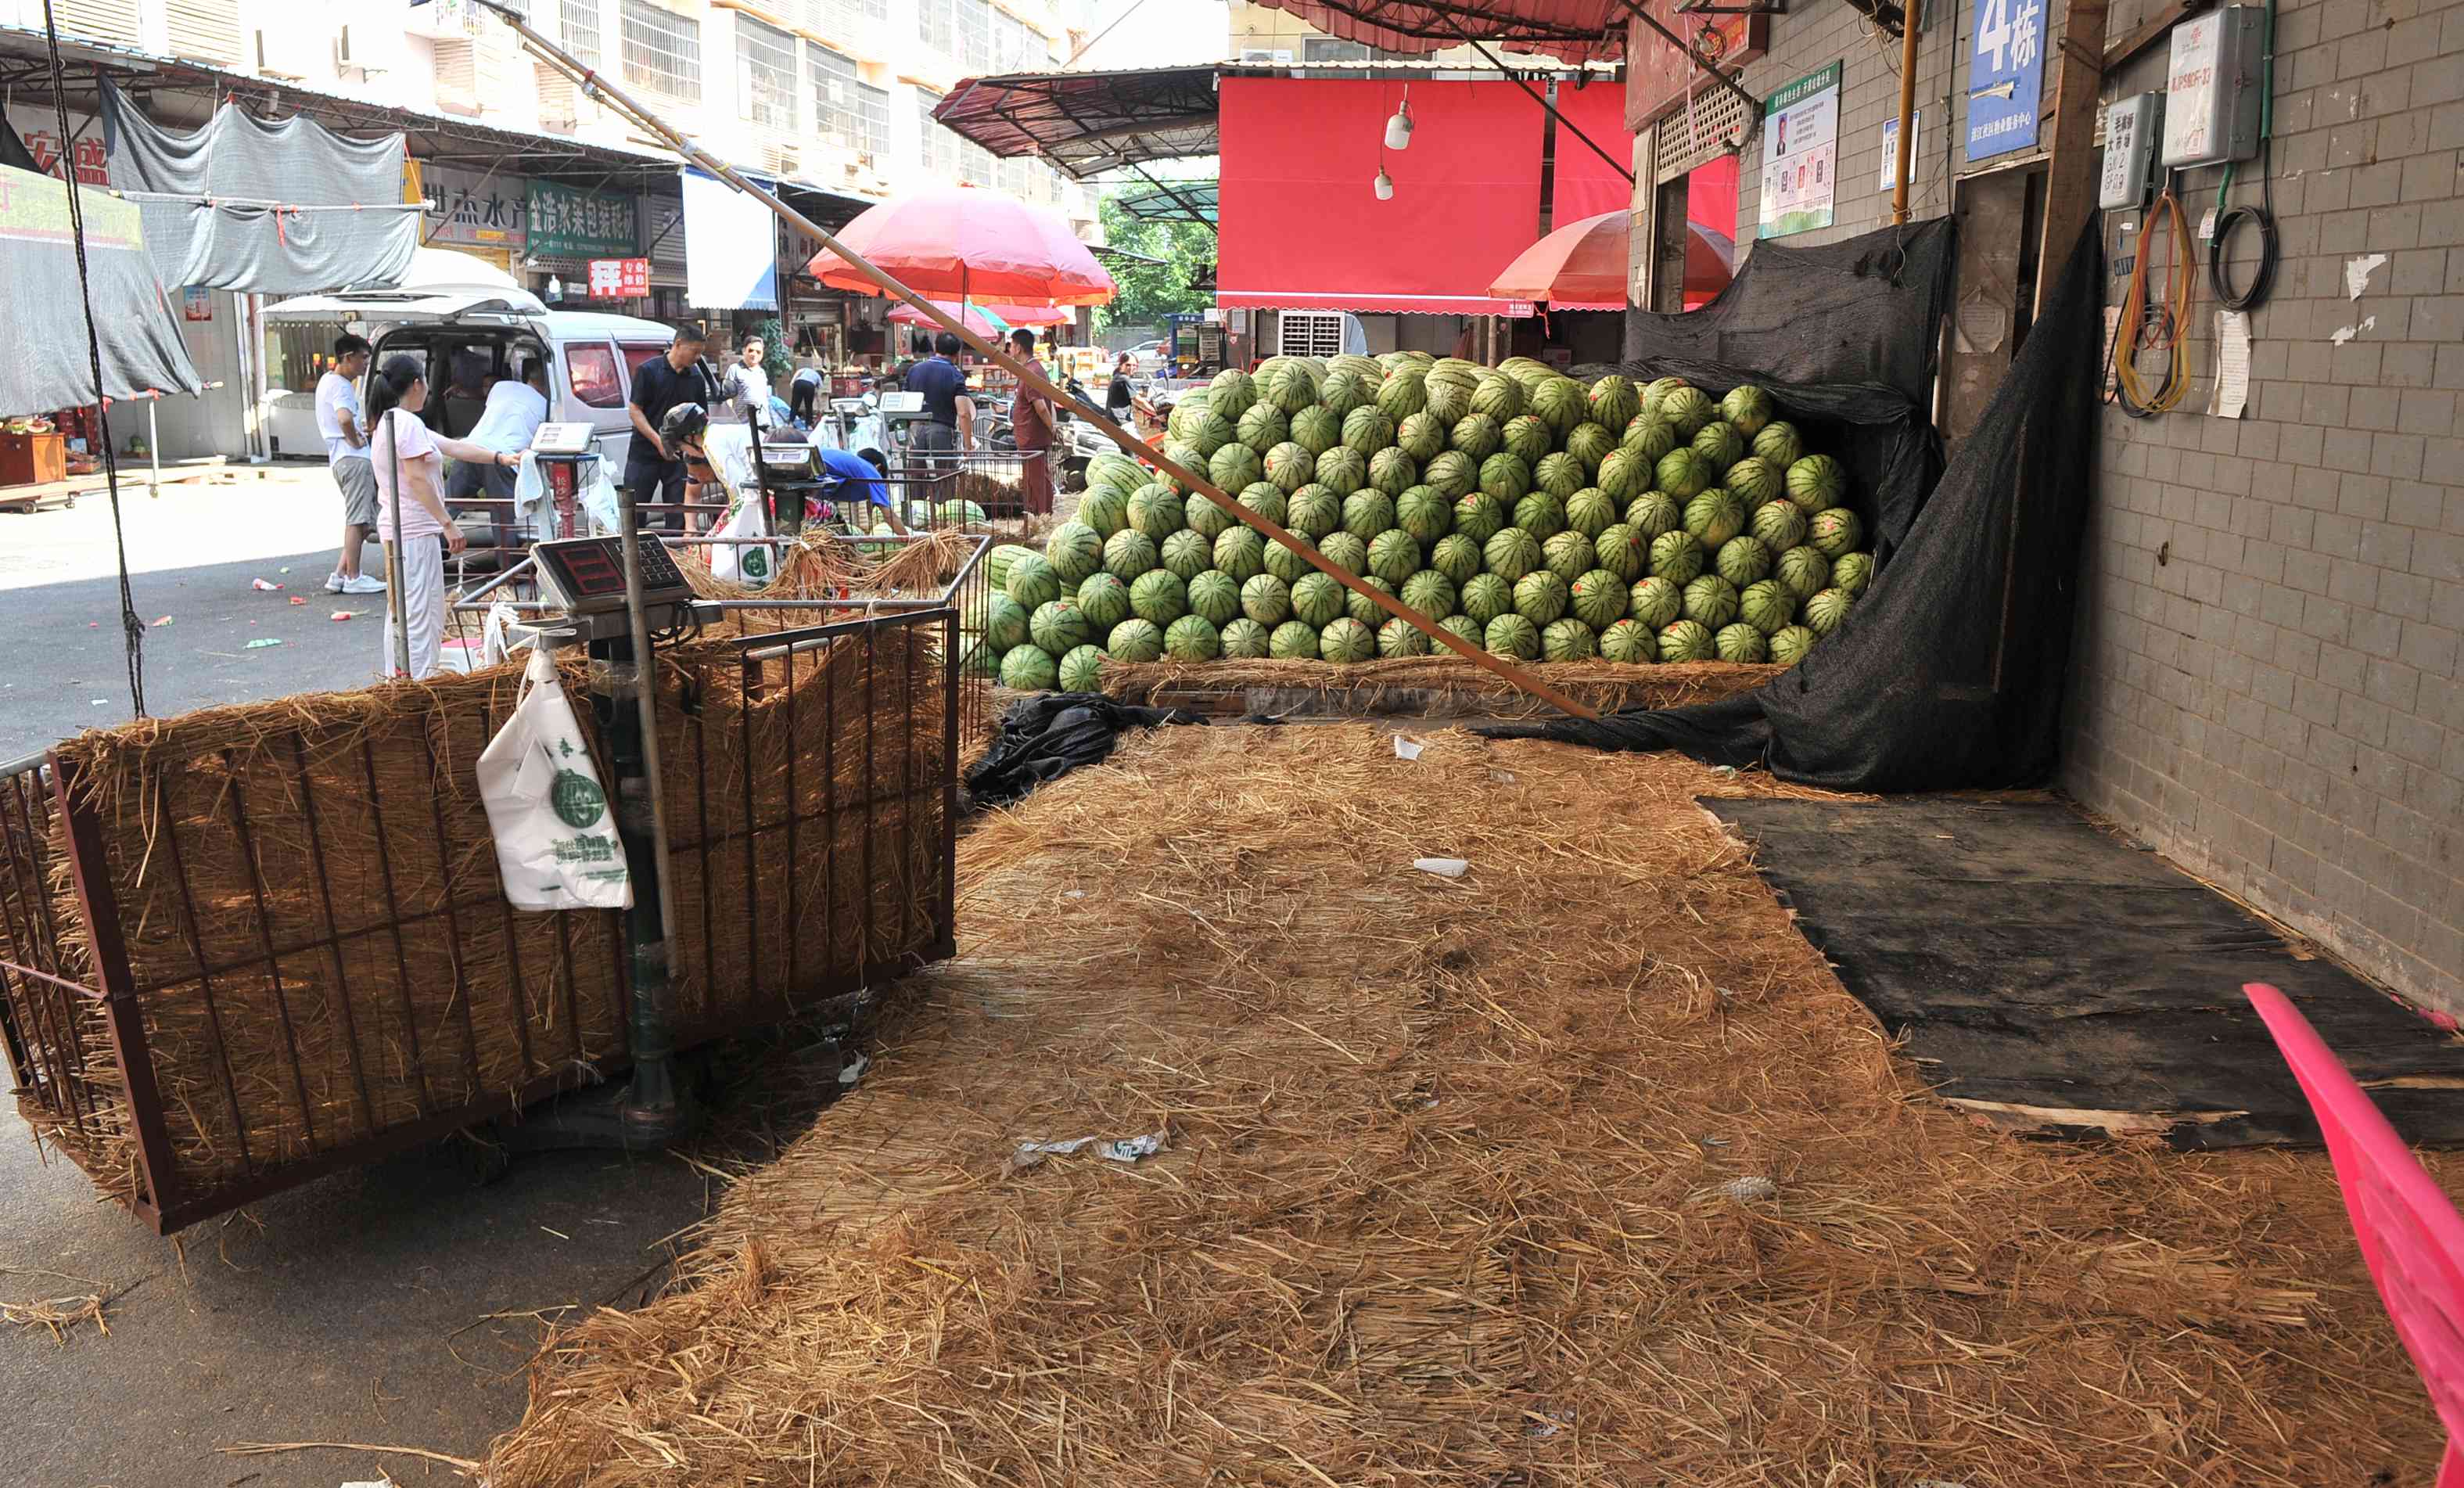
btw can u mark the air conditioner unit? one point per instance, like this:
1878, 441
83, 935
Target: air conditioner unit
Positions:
271, 60
781, 159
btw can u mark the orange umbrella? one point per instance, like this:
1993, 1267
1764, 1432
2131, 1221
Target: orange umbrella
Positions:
986, 320
1582, 265
964, 244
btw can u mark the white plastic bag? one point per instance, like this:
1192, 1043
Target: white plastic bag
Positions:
557, 846
750, 563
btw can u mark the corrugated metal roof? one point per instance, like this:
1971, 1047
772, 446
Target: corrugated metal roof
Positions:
1576, 31
1085, 123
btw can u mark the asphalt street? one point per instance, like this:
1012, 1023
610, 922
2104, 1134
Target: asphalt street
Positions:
390, 1305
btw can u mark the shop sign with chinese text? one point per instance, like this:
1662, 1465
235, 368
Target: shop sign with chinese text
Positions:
620, 279
569, 223
466, 207
2006, 77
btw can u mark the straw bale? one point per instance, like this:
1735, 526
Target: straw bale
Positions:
1443, 1196
1420, 686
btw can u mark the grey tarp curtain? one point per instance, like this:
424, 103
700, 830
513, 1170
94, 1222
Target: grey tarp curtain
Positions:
284, 208
139, 331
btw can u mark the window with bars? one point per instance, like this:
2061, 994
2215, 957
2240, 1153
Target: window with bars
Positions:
1310, 333
930, 154
936, 25
1019, 47
578, 27
662, 49
872, 121
848, 112
765, 73
975, 163
975, 36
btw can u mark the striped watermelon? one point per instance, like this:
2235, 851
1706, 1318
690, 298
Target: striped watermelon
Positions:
1755, 480
1748, 407
1346, 639
1477, 436
1567, 555
1028, 669
1464, 629
1339, 392
1824, 612
1393, 555
1655, 602
1420, 435
1345, 551
1314, 512
1511, 636
1688, 410
1343, 468
1185, 555
1779, 525
1683, 473
1619, 550
1316, 599
1511, 554
1561, 475
1193, 638
1486, 597
1368, 430
1653, 513
1649, 436
1687, 640
1215, 596
1450, 474
1527, 438
1590, 511
1423, 513
1266, 599
1291, 387
1562, 403
1104, 509
1159, 596
1630, 641
1449, 397
1404, 393
1597, 598
1497, 396
1367, 513
1289, 466
1262, 428
1401, 637
1803, 572
1204, 518
1742, 560
1316, 430
1135, 639
1767, 606
1656, 392
1243, 639
1710, 599
1286, 562
1567, 639
1789, 644
1834, 533
1740, 642
1675, 556
1540, 513
1392, 472
1430, 592
1030, 580
1211, 433
1850, 573
1268, 500
1477, 515
1623, 475
1719, 444
1005, 620
1713, 517
1505, 476
1158, 512
1103, 600
1234, 467
1230, 393
1780, 444
1816, 483
1363, 609
1591, 444
1614, 402
1128, 554
1293, 640
1074, 552
1239, 553
1456, 556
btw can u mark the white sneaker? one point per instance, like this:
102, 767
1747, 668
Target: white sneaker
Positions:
365, 584
334, 582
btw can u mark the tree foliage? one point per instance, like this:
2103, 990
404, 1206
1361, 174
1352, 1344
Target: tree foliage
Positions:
1151, 291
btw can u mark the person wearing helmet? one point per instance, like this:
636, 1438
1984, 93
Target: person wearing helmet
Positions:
653, 471
682, 433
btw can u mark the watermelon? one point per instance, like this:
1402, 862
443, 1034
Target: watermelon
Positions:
1710, 599
1598, 597
1239, 553
1714, 517
1834, 533
1110, 472
1404, 393
1653, 513
1392, 472
1339, 392
1622, 475
1031, 581
1243, 639
1562, 403
1028, 669
1206, 519
1314, 512
1656, 392
1186, 555
1748, 407
1368, 430
1567, 555
1367, 513
1420, 437
1346, 552
1779, 525
1363, 609
1655, 602
1103, 600
1266, 501
1803, 572
1284, 562
1294, 641
1186, 411
1742, 560
1104, 509
1193, 638
1079, 671
1451, 474
1262, 428
1464, 627
1230, 393
1719, 444
1367, 369
1824, 612
1401, 637
1767, 606
1649, 438
1687, 640
1560, 474
1541, 514
1130, 553
1430, 592
1614, 402
1423, 513
1289, 466
1157, 512
1741, 642
1629, 641
1590, 511
981, 660
1505, 476
1214, 597
1527, 370
1234, 467
963, 514
1789, 644
1540, 596
1211, 433
1316, 430
1292, 386
1620, 550
1343, 469
1316, 599
1780, 444
1346, 639
1393, 555
1754, 480
1510, 553
998, 560
1816, 483
1456, 556
1476, 435
1187, 457
1266, 599
1449, 398
1511, 636
1687, 411
1675, 556
1477, 516
1497, 396
1004, 622
1683, 473
1527, 438
1486, 597
1591, 444
1159, 596
1850, 573
1569, 639
1134, 639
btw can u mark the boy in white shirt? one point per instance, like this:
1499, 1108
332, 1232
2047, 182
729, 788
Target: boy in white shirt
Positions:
346, 455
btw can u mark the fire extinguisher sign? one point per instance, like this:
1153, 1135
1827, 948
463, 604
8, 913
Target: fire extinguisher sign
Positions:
2006, 76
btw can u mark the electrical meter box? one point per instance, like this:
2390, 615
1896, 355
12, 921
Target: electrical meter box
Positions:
2213, 87
2130, 128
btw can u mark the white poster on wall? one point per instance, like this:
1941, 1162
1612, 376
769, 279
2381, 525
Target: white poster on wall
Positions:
731, 247
1801, 154
1891, 152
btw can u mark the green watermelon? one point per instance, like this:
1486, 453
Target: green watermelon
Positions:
1211, 433
1292, 386
1159, 596
1346, 552
1367, 513
1590, 511
1080, 670
1193, 638
1157, 512
981, 660
1004, 622
1713, 516
1187, 457
1591, 444
1683, 473
1505, 476
1289, 466
1653, 513
1510, 553
1104, 510
1314, 512
1476, 435
1031, 581
1649, 438
1464, 627
1393, 555
1835, 532
1850, 573
1284, 562
998, 560
1261, 429
1363, 609
1710, 599
1239, 553
1214, 597
1206, 519
1316, 430
1623, 475
1803, 572
1789, 644
1527, 438
1816, 483
1266, 599
1540, 513
1767, 606
1186, 411
1511, 636
1719, 444
1456, 556
1346, 639
1742, 560
1569, 639
1243, 639
1687, 640
1655, 602
1368, 430
1234, 467
1486, 597
1135, 639
1748, 407
1103, 600
1343, 469
1401, 637
1293, 640
1675, 556
1562, 403
1614, 402
1629, 641
1230, 393
1110, 472
1779, 525
1598, 597
1529, 371
1423, 513
1560, 474
1741, 642
1780, 444
1316, 599
1339, 392
1622, 550
1266, 501
1368, 370
1404, 393
1687, 411
1028, 669
1477, 515
1497, 396
1129, 553
1824, 612
1567, 555
1420, 437
1754, 480
1392, 472
1451, 474
1430, 592
1540, 596
1185, 554
1449, 398
1657, 391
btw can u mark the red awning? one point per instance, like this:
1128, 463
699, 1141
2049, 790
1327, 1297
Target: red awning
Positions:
1587, 184
1301, 229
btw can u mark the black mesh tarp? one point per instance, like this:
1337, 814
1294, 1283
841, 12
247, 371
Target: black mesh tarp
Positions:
1948, 673
138, 330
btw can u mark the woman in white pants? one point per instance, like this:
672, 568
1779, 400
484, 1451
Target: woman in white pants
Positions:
416, 531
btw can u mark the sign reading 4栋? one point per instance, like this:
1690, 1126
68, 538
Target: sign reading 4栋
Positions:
2006, 77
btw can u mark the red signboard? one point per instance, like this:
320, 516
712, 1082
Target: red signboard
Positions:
1657, 76
620, 279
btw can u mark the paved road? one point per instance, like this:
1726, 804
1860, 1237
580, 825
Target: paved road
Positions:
356, 1309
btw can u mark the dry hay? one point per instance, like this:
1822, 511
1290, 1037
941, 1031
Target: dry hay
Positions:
1444, 1197
1420, 686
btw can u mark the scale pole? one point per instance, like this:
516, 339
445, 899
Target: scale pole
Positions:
653, 1113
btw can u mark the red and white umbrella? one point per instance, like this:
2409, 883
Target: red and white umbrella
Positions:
960, 243
1582, 265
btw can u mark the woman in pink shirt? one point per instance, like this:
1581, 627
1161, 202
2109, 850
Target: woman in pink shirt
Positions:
411, 521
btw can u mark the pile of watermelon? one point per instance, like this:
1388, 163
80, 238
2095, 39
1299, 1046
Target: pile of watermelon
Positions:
1526, 513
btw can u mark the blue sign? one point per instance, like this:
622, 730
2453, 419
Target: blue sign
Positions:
2006, 77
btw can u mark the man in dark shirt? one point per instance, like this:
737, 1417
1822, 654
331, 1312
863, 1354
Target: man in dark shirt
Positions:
944, 387
654, 472
895, 380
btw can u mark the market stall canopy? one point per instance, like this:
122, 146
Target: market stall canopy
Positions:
986, 320
1085, 123
140, 333
965, 243
1171, 201
1583, 265
1573, 31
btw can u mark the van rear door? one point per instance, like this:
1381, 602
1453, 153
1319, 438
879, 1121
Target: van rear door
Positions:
593, 388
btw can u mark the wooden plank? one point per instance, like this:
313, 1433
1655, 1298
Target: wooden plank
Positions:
2074, 164
2147, 32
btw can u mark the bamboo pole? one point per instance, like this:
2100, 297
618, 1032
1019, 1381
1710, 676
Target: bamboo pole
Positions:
1911, 27
594, 86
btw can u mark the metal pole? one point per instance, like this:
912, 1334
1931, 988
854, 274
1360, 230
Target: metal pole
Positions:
1911, 26
153, 450
597, 88
397, 565
654, 1112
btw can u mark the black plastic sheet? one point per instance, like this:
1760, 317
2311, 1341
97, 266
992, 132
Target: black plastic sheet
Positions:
1045, 737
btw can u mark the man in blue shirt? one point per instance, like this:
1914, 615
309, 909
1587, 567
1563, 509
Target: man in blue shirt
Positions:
862, 481
949, 413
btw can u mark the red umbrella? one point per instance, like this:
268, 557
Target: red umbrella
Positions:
1582, 265
986, 320
960, 243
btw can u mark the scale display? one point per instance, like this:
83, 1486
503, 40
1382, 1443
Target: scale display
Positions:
561, 438
586, 575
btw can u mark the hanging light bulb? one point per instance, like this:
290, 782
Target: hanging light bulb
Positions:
1385, 185
1399, 129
